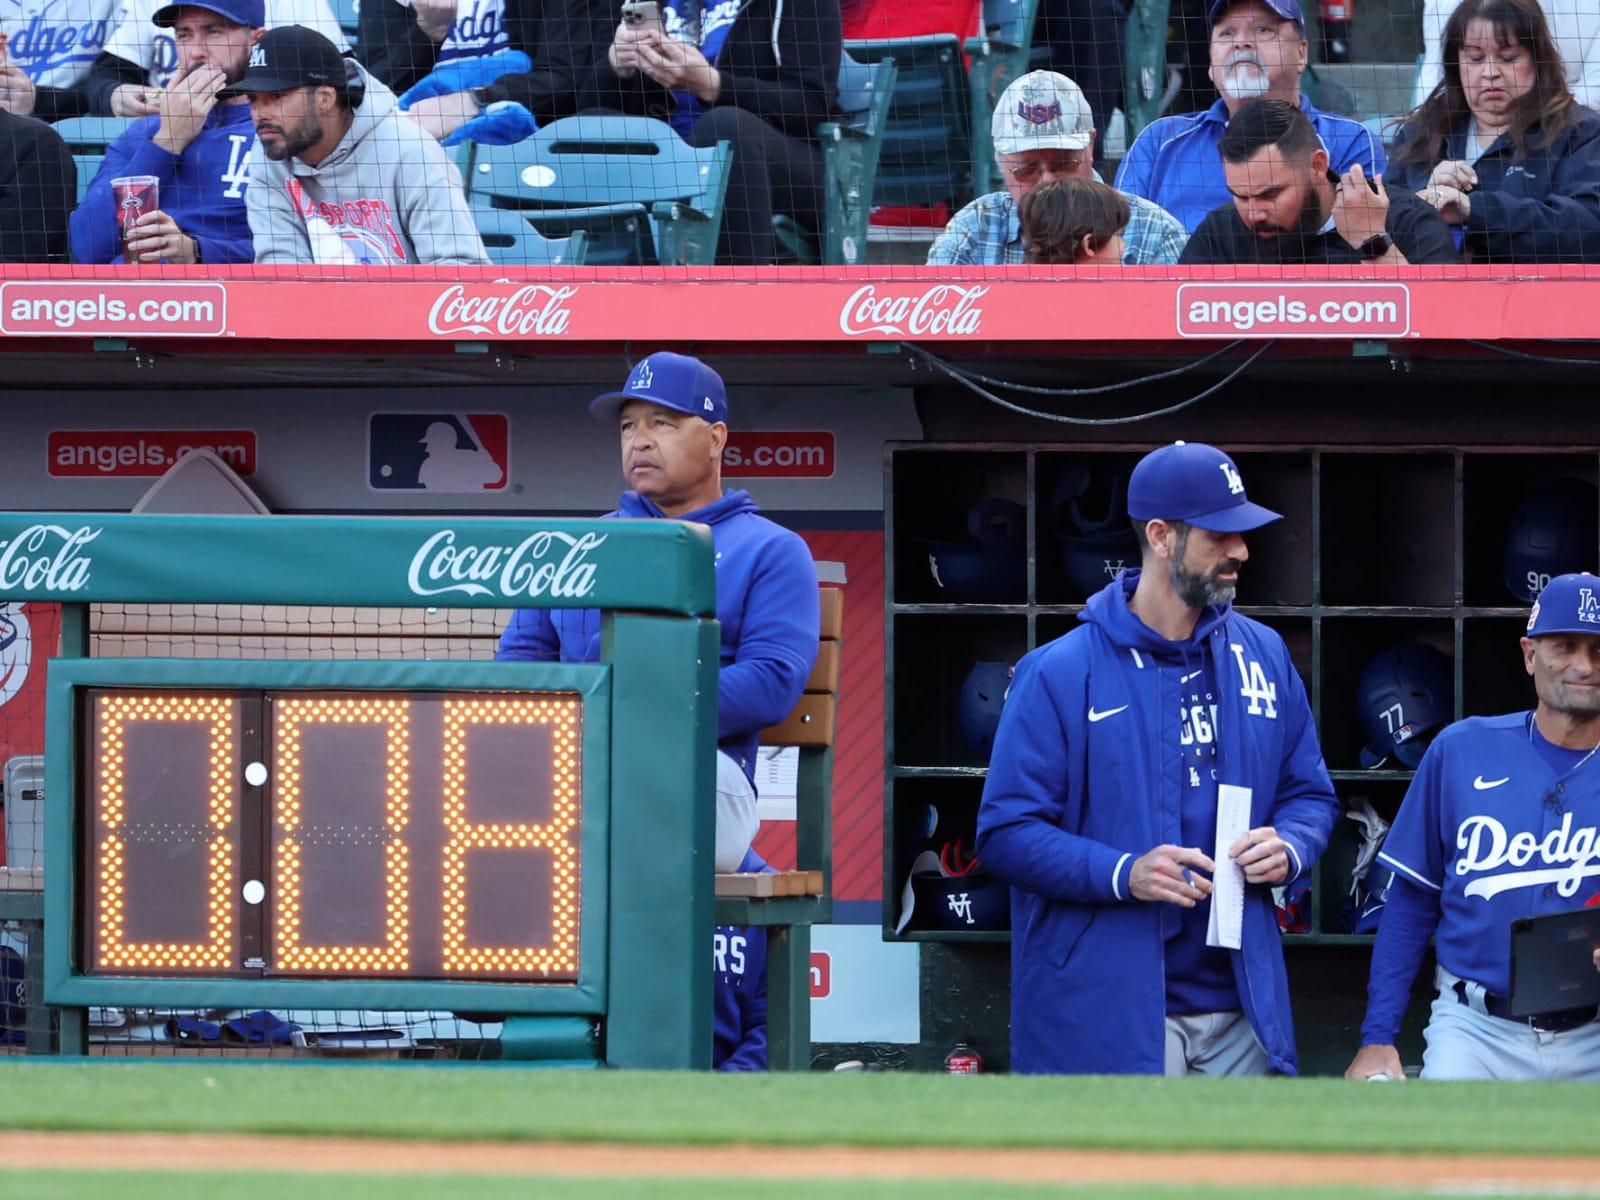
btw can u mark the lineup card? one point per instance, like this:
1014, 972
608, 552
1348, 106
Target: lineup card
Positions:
1227, 895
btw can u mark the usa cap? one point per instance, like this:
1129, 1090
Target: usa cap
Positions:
1196, 484
673, 381
1289, 10
1568, 604
289, 57
1041, 111
252, 14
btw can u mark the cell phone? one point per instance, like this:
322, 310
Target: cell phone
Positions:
637, 14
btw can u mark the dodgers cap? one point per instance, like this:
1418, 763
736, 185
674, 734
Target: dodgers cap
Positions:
671, 380
1041, 111
1289, 10
1196, 484
289, 57
252, 14
1568, 604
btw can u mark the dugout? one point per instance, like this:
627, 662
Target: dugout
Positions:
1397, 458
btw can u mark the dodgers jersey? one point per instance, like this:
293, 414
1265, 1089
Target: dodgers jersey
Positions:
1497, 833
55, 41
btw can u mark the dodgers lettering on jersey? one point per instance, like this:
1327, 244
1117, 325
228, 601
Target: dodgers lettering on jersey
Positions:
1491, 827
715, 20
55, 41
479, 29
729, 950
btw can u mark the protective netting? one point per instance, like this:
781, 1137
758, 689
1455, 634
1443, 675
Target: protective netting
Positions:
763, 133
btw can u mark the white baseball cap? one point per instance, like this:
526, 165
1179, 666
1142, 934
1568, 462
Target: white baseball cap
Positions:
1041, 111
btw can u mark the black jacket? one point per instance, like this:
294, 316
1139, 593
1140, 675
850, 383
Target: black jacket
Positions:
560, 36
1544, 208
38, 187
1416, 228
793, 89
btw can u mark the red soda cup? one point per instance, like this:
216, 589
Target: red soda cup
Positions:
963, 1060
134, 196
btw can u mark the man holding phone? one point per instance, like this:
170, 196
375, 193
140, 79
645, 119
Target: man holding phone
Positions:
1289, 207
761, 75
197, 149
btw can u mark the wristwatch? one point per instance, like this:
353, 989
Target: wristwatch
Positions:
481, 97
1375, 246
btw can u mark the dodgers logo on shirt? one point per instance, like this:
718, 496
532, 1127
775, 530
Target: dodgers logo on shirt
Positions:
458, 453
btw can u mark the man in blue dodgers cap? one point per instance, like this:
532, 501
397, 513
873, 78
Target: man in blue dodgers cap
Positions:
1501, 821
1117, 746
197, 150
672, 414
1258, 48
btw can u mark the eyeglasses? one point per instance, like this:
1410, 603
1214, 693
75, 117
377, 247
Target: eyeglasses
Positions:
1259, 32
1032, 169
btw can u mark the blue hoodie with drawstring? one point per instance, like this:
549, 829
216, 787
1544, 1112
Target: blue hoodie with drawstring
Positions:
1087, 774
766, 604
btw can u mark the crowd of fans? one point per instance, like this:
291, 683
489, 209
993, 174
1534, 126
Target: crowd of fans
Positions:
263, 137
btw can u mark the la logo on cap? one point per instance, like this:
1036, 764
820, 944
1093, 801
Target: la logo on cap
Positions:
1235, 482
258, 56
1588, 607
642, 378
708, 405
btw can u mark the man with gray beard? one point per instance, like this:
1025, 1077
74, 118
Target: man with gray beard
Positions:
1258, 49
1120, 745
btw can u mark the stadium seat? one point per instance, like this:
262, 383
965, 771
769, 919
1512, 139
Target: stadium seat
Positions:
91, 135
618, 178
850, 149
348, 14
927, 144
1144, 64
88, 167
998, 56
513, 242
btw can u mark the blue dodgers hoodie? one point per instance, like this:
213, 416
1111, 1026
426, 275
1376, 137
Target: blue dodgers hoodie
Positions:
739, 958
766, 603
1086, 775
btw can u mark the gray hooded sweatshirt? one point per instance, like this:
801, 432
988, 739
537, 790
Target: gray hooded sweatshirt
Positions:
388, 194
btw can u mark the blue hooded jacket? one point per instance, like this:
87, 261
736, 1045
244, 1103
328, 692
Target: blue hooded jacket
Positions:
766, 603
1543, 207
1087, 775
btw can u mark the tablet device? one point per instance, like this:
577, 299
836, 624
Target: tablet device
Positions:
1552, 961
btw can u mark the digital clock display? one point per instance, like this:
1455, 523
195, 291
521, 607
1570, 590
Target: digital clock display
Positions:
331, 833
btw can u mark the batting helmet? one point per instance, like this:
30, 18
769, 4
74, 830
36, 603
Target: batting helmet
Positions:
983, 694
992, 568
1552, 533
1094, 545
1404, 697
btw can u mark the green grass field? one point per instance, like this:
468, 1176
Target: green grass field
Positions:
454, 1103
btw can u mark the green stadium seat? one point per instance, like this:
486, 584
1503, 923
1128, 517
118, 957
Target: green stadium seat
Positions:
643, 194
927, 143
513, 242
850, 149
91, 135
88, 167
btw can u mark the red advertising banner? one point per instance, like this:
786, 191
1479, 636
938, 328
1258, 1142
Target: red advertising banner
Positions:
107, 453
803, 305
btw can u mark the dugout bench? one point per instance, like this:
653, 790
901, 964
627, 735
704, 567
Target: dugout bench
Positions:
786, 904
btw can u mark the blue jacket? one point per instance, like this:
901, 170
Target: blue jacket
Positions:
1071, 801
766, 603
740, 992
1175, 163
202, 189
1542, 208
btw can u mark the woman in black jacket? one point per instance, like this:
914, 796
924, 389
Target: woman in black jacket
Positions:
1501, 148
761, 74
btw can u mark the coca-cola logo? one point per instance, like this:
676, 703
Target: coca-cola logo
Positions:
46, 558
535, 309
949, 309
546, 563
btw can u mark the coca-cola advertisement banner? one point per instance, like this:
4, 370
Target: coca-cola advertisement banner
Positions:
807, 305
661, 566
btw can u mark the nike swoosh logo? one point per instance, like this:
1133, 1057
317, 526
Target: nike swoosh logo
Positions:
1101, 716
1483, 785
1190, 676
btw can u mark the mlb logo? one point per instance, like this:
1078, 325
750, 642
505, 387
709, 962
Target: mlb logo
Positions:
442, 453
